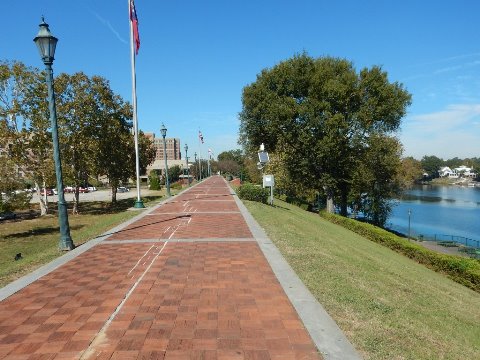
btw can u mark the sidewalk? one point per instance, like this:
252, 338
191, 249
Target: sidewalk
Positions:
188, 279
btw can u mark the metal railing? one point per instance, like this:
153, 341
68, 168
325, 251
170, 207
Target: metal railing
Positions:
453, 238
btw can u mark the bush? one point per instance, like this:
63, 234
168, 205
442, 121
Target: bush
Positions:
252, 192
176, 186
462, 270
154, 181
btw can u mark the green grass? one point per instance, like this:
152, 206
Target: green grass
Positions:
37, 238
389, 306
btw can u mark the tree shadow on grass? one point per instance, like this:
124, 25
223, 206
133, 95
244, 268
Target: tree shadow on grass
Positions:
102, 207
280, 207
40, 231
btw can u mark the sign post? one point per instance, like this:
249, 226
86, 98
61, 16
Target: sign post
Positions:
269, 180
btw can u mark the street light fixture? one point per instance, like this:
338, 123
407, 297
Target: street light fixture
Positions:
163, 131
46, 44
188, 169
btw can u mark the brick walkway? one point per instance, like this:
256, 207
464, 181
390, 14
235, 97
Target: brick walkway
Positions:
186, 281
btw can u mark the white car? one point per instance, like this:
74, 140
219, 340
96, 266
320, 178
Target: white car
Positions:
122, 189
92, 188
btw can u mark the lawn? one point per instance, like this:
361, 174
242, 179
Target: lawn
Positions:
389, 306
37, 238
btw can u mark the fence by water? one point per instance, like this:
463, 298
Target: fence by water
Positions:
461, 240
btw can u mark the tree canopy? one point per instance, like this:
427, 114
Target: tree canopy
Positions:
325, 118
94, 126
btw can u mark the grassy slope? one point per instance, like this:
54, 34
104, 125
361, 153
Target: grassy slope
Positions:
389, 306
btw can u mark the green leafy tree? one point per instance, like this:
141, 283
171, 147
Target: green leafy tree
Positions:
231, 162
26, 125
115, 155
410, 171
76, 111
320, 113
174, 173
154, 180
146, 152
431, 164
376, 180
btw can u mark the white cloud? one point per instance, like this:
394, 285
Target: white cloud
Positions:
447, 133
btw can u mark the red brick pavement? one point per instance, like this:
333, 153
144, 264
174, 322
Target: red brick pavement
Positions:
161, 300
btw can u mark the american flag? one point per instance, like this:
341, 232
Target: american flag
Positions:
200, 136
134, 20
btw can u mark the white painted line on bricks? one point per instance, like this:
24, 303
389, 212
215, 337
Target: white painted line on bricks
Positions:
138, 262
97, 340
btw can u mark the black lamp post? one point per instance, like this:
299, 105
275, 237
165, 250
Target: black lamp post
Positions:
46, 44
163, 130
409, 216
196, 172
188, 169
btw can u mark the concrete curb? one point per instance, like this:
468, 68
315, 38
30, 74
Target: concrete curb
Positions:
325, 333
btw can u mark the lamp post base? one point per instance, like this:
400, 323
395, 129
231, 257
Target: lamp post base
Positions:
66, 244
139, 204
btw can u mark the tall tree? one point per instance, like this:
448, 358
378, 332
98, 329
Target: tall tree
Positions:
410, 171
76, 110
320, 113
115, 157
431, 164
24, 112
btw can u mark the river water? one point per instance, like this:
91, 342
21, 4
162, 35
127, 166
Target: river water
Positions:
441, 211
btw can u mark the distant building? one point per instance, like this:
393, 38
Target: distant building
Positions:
461, 171
172, 145
174, 154
447, 172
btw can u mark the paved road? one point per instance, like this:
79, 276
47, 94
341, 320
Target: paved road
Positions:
187, 280
100, 195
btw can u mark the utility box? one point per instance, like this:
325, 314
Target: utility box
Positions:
268, 180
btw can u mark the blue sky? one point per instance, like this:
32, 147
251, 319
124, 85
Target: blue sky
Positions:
196, 56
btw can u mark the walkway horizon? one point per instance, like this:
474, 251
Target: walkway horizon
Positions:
192, 278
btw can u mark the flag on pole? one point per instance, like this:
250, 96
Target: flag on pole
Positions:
200, 136
134, 20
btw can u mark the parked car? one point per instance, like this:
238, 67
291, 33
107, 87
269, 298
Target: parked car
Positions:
68, 189
92, 188
8, 216
83, 189
48, 191
122, 189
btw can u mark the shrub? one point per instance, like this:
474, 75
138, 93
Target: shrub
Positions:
462, 270
252, 192
176, 186
154, 181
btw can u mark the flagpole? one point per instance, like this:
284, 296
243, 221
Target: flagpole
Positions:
139, 203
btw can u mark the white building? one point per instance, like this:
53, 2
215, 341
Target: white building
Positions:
461, 171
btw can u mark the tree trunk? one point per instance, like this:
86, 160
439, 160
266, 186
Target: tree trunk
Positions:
75, 201
330, 207
114, 194
43, 203
344, 203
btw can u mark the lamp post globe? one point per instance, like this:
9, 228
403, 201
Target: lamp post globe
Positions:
186, 160
46, 44
163, 131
